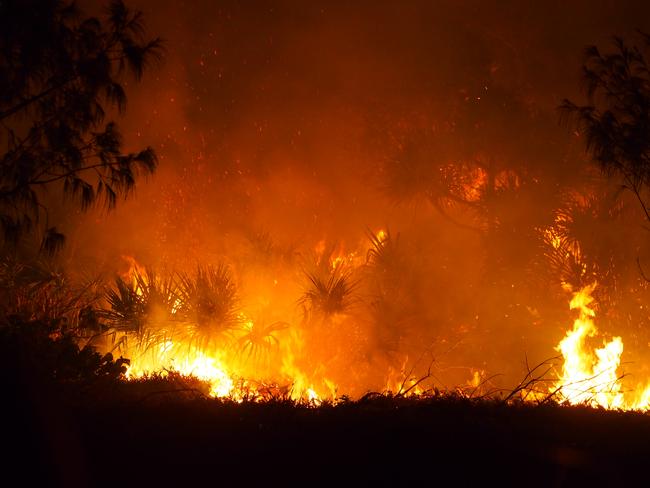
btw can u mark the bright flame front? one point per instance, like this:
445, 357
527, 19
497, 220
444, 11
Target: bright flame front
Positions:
591, 375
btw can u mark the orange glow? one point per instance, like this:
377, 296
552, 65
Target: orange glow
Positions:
252, 358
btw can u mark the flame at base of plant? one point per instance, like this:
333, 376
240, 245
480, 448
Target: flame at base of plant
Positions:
168, 356
220, 373
592, 377
244, 359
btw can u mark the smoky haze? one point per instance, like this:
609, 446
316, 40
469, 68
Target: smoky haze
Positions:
289, 130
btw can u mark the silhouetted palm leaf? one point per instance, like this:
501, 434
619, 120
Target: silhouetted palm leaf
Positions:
259, 337
328, 293
209, 304
143, 306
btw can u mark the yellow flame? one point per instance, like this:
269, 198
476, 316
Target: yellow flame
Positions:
589, 374
476, 379
642, 402
134, 267
589, 377
186, 361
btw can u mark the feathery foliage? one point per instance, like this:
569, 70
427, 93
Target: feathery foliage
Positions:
60, 73
386, 260
259, 337
616, 119
144, 297
151, 307
41, 291
127, 311
208, 299
328, 292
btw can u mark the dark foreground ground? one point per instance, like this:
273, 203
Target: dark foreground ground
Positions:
167, 440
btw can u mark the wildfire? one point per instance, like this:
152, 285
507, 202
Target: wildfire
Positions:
244, 358
195, 325
170, 356
134, 271
222, 364
591, 376
222, 371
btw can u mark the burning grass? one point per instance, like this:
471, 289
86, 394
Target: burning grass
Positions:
175, 420
350, 329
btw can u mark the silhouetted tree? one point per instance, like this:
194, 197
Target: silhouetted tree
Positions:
615, 123
616, 119
60, 72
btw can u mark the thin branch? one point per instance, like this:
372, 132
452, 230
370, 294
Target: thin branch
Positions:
531, 377
25, 103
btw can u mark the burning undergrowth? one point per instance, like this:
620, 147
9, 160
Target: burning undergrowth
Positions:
202, 324
324, 324
406, 313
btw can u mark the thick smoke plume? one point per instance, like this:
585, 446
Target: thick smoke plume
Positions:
291, 133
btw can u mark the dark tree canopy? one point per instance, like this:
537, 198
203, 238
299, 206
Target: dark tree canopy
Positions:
60, 73
616, 119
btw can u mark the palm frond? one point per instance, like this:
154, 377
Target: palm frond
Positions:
127, 312
142, 305
259, 337
209, 303
328, 293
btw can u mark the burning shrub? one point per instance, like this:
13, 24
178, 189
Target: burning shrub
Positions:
390, 281
142, 305
328, 293
386, 263
209, 301
259, 337
127, 312
153, 307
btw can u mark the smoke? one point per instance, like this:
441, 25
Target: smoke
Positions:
282, 125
